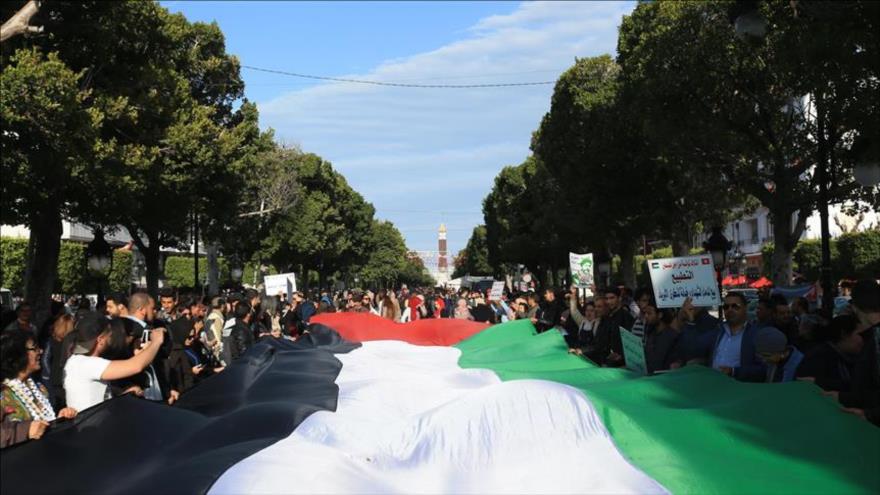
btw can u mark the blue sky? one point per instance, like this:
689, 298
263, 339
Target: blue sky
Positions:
420, 156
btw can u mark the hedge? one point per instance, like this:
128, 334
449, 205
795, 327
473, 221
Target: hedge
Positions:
73, 275
179, 271
13, 257
853, 256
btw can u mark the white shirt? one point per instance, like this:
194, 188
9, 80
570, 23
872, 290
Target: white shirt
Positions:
82, 381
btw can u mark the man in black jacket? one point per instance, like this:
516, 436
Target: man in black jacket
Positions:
864, 398
617, 314
241, 338
549, 312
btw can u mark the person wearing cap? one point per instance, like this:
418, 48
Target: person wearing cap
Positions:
782, 360
86, 374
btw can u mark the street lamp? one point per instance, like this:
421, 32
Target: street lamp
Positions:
717, 245
604, 269
99, 257
235, 270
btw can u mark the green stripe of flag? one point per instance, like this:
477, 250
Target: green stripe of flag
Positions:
696, 431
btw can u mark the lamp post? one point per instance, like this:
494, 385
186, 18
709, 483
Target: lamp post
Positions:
99, 257
717, 245
236, 271
604, 269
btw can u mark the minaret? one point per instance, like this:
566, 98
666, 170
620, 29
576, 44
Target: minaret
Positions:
441, 259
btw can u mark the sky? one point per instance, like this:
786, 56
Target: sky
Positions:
421, 156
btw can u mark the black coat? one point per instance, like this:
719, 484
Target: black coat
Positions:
659, 347
241, 338
831, 369
865, 392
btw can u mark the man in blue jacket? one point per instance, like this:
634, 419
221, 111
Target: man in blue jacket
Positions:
734, 351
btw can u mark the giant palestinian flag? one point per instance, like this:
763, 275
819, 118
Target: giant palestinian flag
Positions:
443, 406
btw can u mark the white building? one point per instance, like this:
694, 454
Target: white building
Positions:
751, 232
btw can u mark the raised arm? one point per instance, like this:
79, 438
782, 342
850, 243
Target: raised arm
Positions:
124, 368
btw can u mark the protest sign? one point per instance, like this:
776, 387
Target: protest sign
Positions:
676, 279
497, 291
284, 282
581, 269
633, 352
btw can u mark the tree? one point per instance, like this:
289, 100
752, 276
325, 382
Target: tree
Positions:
591, 141
329, 230
48, 143
474, 258
386, 256
770, 115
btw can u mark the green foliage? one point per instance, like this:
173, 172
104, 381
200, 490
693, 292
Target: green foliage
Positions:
13, 258
474, 258
180, 273
73, 273
860, 254
119, 278
718, 104
386, 255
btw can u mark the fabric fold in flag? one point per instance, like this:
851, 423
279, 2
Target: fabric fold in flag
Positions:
365, 327
129, 445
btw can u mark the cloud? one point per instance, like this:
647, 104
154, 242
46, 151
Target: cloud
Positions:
427, 150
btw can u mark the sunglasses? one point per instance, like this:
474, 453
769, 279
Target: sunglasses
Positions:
35, 349
734, 306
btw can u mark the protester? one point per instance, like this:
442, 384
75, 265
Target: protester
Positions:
168, 305
831, 364
734, 352
586, 322
142, 309
116, 305
617, 315
26, 408
86, 374
56, 351
548, 312
863, 399
660, 336
462, 311
23, 315
781, 360
699, 330
642, 298
241, 338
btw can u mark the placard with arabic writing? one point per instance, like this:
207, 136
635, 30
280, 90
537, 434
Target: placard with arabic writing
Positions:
676, 279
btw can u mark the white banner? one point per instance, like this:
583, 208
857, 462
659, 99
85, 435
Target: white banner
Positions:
284, 282
581, 269
676, 279
497, 291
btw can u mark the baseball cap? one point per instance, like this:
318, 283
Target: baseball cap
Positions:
770, 341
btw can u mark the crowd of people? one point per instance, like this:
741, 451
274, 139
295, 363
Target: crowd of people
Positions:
83, 356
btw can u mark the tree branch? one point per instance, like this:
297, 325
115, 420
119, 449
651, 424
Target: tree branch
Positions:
18, 23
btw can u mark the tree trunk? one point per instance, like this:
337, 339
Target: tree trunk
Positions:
211, 251
681, 243
152, 253
627, 264
785, 239
41, 270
